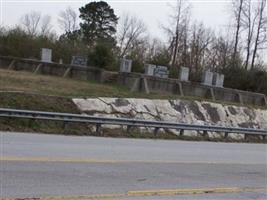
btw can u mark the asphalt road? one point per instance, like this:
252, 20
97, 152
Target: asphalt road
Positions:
35, 165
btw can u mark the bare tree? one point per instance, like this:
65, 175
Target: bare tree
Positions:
238, 7
46, 25
130, 31
200, 47
68, 20
248, 22
31, 22
179, 34
261, 30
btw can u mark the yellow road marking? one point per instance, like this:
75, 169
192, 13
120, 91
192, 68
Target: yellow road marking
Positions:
99, 161
143, 193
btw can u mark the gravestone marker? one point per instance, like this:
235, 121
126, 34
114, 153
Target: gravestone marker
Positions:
207, 78
218, 80
184, 74
161, 71
150, 69
46, 55
79, 60
126, 65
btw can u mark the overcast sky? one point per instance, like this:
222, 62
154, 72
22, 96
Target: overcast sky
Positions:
213, 13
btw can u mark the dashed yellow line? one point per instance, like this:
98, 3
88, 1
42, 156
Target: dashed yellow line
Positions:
99, 161
144, 193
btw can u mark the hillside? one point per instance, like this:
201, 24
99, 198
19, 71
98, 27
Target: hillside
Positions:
24, 90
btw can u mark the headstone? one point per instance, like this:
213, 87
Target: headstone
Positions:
218, 80
46, 55
161, 71
207, 78
150, 69
184, 74
79, 60
126, 65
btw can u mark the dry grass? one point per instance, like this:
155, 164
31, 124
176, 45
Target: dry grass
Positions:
51, 85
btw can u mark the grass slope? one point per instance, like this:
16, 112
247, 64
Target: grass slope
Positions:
23, 90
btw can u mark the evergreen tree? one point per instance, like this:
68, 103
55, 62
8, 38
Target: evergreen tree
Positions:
98, 22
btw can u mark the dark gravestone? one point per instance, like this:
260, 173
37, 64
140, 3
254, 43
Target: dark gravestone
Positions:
79, 60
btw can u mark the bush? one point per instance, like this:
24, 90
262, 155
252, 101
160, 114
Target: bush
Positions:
254, 80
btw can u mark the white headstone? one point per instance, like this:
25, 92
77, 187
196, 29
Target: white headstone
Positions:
150, 69
161, 71
126, 65
184, 74
207, 78
46, 55
218, 80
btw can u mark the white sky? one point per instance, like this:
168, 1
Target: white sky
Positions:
213, 13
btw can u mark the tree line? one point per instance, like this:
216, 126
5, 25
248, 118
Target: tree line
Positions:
97, 32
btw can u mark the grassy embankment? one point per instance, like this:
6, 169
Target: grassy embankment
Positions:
23, 90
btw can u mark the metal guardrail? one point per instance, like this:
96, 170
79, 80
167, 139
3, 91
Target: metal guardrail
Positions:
98, 121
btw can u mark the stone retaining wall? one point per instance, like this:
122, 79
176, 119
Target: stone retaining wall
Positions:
180, 111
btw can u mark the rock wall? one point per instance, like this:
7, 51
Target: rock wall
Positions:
180, 111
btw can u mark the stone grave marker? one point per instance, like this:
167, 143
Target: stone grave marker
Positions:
207, 78
218, 80
79, 60
161, 71
184, 74
150, 69
46, 55
126, 65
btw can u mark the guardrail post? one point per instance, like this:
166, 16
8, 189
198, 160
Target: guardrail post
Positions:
246, 137
156, 130
205, 133
226, 135
182, 132
128, 128
99, 129
64, 126
264, 137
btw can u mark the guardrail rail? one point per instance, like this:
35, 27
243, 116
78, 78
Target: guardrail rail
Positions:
98, 121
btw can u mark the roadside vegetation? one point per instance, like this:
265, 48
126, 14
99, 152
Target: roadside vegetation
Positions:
95, 31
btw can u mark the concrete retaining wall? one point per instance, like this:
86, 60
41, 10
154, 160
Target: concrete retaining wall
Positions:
149, 84
135, 81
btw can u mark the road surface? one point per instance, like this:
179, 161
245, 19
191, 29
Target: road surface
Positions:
36, 165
